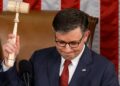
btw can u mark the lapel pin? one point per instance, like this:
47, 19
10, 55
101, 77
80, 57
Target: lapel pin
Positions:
84, 70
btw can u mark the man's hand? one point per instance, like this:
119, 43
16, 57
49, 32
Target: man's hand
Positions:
10, 47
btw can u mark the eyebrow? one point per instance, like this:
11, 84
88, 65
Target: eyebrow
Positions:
68, 41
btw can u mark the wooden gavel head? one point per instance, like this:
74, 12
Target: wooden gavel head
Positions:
20, 7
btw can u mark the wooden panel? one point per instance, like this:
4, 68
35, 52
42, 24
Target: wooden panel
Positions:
35, 30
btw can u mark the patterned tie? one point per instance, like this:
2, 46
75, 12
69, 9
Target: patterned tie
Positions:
65, 74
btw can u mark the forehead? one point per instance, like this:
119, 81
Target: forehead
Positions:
71, 35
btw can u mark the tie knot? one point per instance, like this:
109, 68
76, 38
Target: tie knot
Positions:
67, 62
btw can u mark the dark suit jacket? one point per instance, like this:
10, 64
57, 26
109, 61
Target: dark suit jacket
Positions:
92, 70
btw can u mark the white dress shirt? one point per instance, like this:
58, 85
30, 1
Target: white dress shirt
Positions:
72, 66
5, 68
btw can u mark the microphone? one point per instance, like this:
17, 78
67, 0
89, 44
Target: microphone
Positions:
25, 70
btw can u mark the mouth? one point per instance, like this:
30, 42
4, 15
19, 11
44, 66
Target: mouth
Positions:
68, 54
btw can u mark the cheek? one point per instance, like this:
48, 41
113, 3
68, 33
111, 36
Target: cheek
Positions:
78, 50
59, 49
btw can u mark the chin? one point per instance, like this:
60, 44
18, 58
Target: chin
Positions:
68, 56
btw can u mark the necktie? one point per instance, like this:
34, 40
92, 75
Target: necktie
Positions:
65, 74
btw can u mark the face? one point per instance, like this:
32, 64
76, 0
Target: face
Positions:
73, 42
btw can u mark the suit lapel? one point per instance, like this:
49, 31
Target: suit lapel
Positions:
82, 69
53, 69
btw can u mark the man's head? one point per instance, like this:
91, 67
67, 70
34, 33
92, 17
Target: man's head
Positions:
69, 19
71, 32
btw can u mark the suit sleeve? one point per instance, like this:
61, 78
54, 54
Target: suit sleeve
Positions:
10, 78
110, 77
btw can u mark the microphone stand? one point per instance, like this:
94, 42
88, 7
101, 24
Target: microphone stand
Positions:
26, 79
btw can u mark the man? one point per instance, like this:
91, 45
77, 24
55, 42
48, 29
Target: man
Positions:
69, 63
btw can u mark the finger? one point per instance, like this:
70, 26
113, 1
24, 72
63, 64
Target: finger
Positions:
10, 48
11, 36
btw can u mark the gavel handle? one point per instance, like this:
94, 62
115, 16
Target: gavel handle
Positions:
11, 58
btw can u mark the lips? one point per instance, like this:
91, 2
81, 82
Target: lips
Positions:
68, 54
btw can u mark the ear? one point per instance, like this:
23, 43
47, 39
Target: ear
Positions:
86, 36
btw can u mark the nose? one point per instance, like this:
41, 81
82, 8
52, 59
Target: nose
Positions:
67, 48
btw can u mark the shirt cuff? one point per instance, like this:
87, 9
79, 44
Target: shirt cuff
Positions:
5, 68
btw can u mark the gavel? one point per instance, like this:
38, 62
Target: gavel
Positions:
18, 7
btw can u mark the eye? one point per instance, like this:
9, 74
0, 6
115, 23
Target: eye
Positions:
61, 42
74, 43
